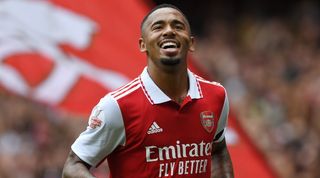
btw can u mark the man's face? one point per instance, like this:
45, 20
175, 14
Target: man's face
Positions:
166, 37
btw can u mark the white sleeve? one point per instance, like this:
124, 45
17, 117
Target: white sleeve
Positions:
222, 123
105, 131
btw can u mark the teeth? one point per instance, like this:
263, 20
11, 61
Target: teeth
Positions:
169, 45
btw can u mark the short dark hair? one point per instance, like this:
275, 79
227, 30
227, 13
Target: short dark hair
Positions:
163, 6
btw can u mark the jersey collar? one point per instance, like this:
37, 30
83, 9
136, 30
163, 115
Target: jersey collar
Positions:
156, 96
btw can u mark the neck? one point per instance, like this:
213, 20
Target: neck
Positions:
174, 84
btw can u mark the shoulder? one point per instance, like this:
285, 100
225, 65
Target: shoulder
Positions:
109, 106
210, 86
126, 90
125, 97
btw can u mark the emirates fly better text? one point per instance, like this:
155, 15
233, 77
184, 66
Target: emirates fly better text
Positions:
194, 158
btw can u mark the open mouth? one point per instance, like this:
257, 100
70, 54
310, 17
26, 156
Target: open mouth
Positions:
167, 44
169, 47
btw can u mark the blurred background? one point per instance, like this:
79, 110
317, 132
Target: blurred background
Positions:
58, 58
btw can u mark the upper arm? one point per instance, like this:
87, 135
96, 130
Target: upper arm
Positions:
75, 167
73, 159
105, 131
219, 147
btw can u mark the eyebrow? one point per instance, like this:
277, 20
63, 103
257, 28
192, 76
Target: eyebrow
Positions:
181, 22
159, 22
175, 21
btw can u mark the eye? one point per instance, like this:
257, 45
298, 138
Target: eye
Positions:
156, 27
179, 26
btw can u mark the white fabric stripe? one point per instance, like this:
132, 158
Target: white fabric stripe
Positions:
222, 123
221, 137
124, 91
145, 92
199, 88
125, 86
206, 81
194, 88
127, 92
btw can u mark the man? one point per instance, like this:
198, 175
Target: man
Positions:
167, 122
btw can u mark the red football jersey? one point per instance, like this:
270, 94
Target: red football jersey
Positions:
143, 133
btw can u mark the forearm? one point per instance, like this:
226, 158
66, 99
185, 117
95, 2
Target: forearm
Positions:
75, 168
221, 165
76, 171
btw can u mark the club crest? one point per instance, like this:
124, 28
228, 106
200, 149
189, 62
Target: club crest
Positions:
95, 121
207, 120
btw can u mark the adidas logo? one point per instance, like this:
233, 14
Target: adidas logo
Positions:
154, 128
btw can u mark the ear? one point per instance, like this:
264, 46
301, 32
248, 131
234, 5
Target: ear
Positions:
142, 45
192, 44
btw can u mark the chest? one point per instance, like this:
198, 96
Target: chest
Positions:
170, 124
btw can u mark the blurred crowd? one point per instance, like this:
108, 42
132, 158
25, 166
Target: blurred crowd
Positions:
33, 139
270, 67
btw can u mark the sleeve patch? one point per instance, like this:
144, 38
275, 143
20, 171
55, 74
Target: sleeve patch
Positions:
95, 121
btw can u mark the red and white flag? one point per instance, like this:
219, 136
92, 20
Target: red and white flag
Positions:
68, 54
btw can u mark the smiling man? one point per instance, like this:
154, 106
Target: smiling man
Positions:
167, 122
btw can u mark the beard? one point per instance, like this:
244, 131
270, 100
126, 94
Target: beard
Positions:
170, 61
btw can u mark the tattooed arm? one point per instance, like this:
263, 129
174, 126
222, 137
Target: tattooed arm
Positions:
221, 165
75, 167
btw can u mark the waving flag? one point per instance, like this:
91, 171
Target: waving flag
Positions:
68, 54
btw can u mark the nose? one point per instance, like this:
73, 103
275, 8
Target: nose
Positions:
168, 31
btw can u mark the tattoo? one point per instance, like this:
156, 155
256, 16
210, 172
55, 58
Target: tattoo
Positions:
221, 165
75, 167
